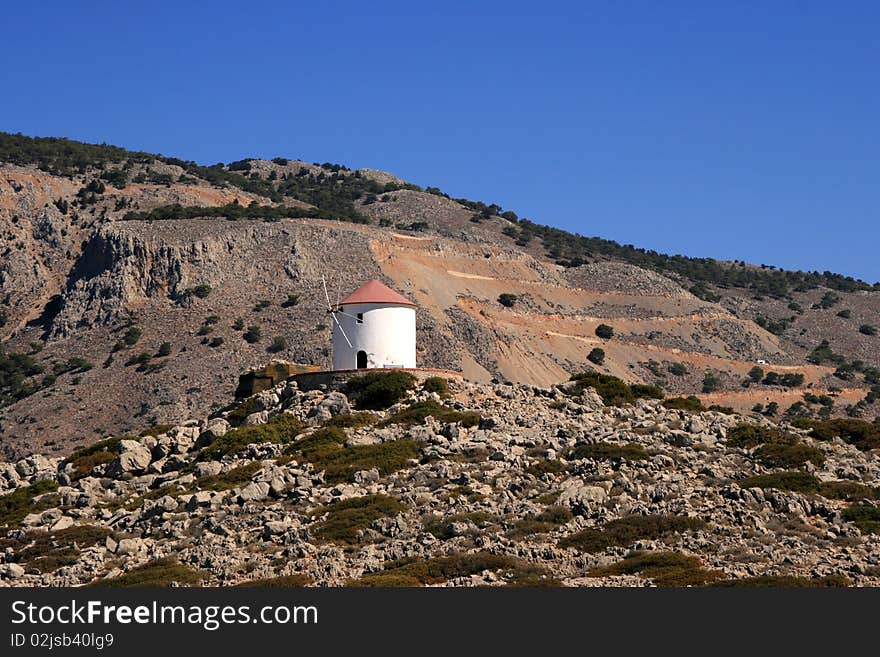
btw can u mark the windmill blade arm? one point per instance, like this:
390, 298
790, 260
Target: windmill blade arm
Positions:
341, 330
326, 294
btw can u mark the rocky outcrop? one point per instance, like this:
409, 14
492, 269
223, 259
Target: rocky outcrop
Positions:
536, 478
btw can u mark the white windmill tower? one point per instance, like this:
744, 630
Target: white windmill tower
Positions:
373, 327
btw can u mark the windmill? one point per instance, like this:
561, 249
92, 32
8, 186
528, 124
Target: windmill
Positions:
335, 309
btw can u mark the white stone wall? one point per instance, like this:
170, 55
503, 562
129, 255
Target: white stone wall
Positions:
387, 335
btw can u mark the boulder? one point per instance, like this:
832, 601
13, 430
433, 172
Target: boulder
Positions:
208, 469
133, 457
335, 403
582, 496
254, 492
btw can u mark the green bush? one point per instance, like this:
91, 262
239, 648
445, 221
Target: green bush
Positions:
604, 331
775, 455
253, 334
280, 429
167, 571
851, 491
690, 404
864, 516
507, 300
164, 350
605, 451
613, 391
46, 552
238, 415
628, 529
279, 344
379, 390
677, 369
417, 412
862, 435
345, 520
539, 523
88, 458
436, 384
751, 435
596, 355
785, 582
234, 478
16, 505
416, 572
132, 335
297, 580
711, 383
643, 391
328, 437
341, 464
662, 568
355, 420
800, 482
439, 526
201, 291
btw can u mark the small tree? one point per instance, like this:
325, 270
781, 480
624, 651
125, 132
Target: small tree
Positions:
292, 300
756, 374
678, 369
253, 334
604, 331
279, 343
867, 329
164, 349
596, 356
711, 383
507, 300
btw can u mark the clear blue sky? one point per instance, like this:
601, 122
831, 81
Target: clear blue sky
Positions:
746, 130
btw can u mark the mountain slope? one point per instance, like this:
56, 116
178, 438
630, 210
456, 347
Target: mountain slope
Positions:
132, 281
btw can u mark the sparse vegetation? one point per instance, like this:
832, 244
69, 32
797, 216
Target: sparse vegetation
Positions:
605, 451
864, 516
16, 505
662, 568
280, 429
418, 572
862, 435
800, 482
166, 571
46, 552
417, 412
379, 390
88, 458
784, 582
346, 520
624, 531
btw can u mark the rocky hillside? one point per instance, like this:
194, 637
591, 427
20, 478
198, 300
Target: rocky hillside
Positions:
134, 288
453, 484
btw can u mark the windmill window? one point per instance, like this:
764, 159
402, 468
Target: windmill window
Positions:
360, 318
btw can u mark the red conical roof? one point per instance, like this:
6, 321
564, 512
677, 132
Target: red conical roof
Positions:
375, 291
